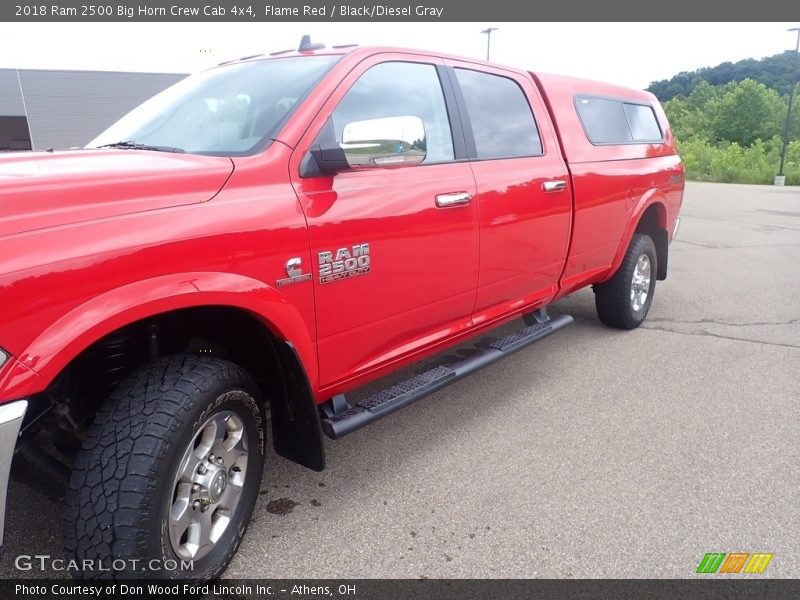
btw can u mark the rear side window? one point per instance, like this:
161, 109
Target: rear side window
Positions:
501, 118
609, 121
642, 121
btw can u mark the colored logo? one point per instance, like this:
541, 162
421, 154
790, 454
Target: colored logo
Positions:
734, 562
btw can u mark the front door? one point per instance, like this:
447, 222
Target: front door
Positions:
395, 250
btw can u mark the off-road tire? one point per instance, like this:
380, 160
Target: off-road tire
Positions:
122, 484
613, 297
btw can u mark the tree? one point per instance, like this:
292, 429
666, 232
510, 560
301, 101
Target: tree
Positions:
746, 112
690, 117
703, 95
683, 120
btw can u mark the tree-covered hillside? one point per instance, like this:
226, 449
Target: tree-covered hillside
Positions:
729, 119
775, 72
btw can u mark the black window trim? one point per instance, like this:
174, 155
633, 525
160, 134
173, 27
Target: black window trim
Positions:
472, 150
461, 108
454, 115
623, 101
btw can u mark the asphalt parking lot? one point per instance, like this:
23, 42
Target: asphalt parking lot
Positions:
594, 453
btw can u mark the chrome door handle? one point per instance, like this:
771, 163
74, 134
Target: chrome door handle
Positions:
554, 186
456, 199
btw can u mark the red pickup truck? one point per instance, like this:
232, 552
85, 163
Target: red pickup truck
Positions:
250, 245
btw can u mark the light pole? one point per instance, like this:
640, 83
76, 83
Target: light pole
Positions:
488, 31
780, 178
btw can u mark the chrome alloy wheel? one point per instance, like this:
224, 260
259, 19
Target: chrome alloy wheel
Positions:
208, 485
640, 284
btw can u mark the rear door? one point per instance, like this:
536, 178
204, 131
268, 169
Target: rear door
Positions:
524, 194
418, 225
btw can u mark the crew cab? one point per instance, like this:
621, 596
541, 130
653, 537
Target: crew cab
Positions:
246, 248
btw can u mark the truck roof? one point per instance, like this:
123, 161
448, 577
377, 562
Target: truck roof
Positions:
365, 51
551, 80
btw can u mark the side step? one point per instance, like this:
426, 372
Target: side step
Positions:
342, 419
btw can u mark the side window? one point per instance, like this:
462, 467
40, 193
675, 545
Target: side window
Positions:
398, 89
501, 118
643, 123
604, 120
609, 121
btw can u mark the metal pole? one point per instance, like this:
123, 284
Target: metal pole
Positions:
488, 31
788, 123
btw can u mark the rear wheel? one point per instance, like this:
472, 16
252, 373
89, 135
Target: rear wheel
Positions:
624, 300
169, 472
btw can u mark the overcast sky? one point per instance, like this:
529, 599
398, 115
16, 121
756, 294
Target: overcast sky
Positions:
632, 54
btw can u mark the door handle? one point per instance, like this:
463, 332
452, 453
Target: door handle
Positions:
456, 199
554, 186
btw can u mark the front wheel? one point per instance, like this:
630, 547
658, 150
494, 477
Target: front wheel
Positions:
624, 300
168, 476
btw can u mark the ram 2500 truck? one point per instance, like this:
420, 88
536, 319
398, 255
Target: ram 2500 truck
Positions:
246, 248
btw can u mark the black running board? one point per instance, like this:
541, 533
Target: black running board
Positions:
343, 419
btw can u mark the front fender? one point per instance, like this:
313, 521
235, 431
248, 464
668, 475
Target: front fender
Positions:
66, 338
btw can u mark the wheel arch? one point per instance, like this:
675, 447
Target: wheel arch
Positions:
650, 217
271, 328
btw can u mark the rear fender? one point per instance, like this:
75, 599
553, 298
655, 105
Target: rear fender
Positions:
653, 197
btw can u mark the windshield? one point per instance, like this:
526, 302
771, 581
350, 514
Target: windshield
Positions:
234, 110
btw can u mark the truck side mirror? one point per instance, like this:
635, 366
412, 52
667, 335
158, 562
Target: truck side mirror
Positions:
389, 142
325, 156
